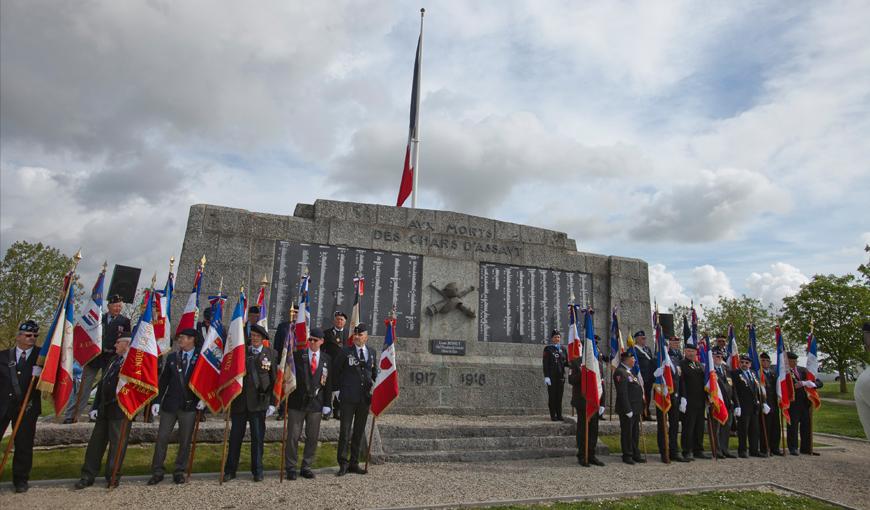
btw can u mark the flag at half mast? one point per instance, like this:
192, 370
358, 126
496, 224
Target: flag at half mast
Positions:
410, 172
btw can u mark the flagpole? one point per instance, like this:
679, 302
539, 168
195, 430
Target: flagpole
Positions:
710, 418
416, 140
782, 431
811, 406
371, 437
118, 447
193, 446
224, 450
664, 418
284, 438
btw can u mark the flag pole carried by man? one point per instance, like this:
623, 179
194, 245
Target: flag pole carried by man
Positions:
812, 375
617, 347
359, 289
191, 309
591, 387
88, 331
386, 387
411, 171
663, 387
784, 384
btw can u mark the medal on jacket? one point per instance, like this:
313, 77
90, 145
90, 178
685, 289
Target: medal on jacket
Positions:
265, 364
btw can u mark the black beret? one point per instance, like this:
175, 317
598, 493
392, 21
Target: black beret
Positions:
339, 313
745, 357
115, 298
360, 328
315, 333
717, 351
791, 355
625, 354
188, 332
256, 328
554, 333
254, 309
765, 355
691, 346
29, 326
639, 332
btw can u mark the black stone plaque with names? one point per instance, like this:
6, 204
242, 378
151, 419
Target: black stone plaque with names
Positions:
391, 280
523, 304
447, 347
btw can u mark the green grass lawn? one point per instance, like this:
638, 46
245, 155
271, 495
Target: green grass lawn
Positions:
839, 419
67, 462
832, 390
749, 500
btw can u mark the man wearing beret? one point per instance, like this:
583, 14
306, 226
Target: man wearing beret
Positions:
750, 404
306, 405
799, 410
253, 405
726, 391
629, 406
253, 317
17, 368
770, 442
108, 418
113, 324
334, 340
647, 367
555, 361
175, 402
693, 402
357, 371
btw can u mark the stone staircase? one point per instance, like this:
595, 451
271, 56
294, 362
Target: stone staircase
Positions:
465, 439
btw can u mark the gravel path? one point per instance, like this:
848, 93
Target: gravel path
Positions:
838, 476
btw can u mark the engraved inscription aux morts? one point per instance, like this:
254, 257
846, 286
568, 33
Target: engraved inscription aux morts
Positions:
392, 280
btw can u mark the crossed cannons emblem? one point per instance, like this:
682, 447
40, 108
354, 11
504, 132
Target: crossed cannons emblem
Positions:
451, 300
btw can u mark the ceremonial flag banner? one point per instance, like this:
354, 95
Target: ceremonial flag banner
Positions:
406, 187
386, 388
233, 363
285, 379
88, 331
813, 370
51, 351
63, 386
263, 321
687, 333
617, 347
303, 318
754, 357
784, 383
137, 379
162, 319
191, 309
574, 344
664, 384
694, 336
359, 286
590, 370
204, 379
635, 370
733, 356
711, 384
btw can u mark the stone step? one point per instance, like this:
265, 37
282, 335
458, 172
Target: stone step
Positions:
405, 445
486, 455
457, 431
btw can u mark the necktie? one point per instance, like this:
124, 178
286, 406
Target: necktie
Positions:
362, 356
313, 363
22, 360
186, 362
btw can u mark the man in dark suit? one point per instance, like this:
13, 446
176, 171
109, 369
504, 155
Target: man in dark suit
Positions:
726, 391
799, 410
770, 442
674, 412
334, 340
17, 368
647, 366
357, 371
748, 408
108, 418
693, 403
307, 404
629, 406
555, 361
253, 405
113, 324
175, 403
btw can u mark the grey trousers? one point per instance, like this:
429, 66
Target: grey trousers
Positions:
89, 375
294, 431
105, 432
186, 420
723, 434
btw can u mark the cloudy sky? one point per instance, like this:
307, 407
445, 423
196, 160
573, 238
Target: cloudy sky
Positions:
726, 143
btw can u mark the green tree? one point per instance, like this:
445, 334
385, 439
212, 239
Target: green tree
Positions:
30, 280
739, 312
838, 307
864, 269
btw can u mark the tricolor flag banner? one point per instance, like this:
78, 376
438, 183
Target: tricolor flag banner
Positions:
664, 384
635, 370
137, 379
263, 321
617, 346
191, 309
204, 380
52, 347
693, 339
233, 363
687, 333
386, 388
303, 317
718, 411
574, 344
754, 357
285, 384
590, 370
784, 383
359, 286
813, 370
733, 358
163, 318
406, 187
88, 331
63, 386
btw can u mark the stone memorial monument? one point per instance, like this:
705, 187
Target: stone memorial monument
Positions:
475, 298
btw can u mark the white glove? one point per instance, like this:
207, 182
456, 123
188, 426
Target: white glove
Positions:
659, 371
547, 381
336, 395
93, 414
601, 411
737, 412
37, 371
270, 411
326, 410
200, 405
683, 404
155, 410
629, 414
765, 408
809, 384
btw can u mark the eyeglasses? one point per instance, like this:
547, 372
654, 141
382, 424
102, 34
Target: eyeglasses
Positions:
29, 335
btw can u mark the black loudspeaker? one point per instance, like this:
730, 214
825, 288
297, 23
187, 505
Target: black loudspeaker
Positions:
125, 279
667, 322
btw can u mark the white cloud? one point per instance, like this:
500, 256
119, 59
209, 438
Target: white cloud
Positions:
709, 284
772, 286
664, 287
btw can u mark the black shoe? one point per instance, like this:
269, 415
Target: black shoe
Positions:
594, 460
743, 455
793, 452
67, 421
342, 470
778, 453
291, 475
179, 478
553, 418
639, 460
756, 454
701, 456
679, 458
229, 476
155, 479
258, 478
628, 461
815, 454
21, 487
727, 455
81, 484
354, 468
307, 473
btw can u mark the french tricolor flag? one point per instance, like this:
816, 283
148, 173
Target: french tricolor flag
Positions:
574, 344
733, 355
162, 319
263, 321
233, 362
63, 386
303, 318
204, 379
137, 379
386, 388
191, 309
784, 383
88, 331
813, 370
590, 370
52, 348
